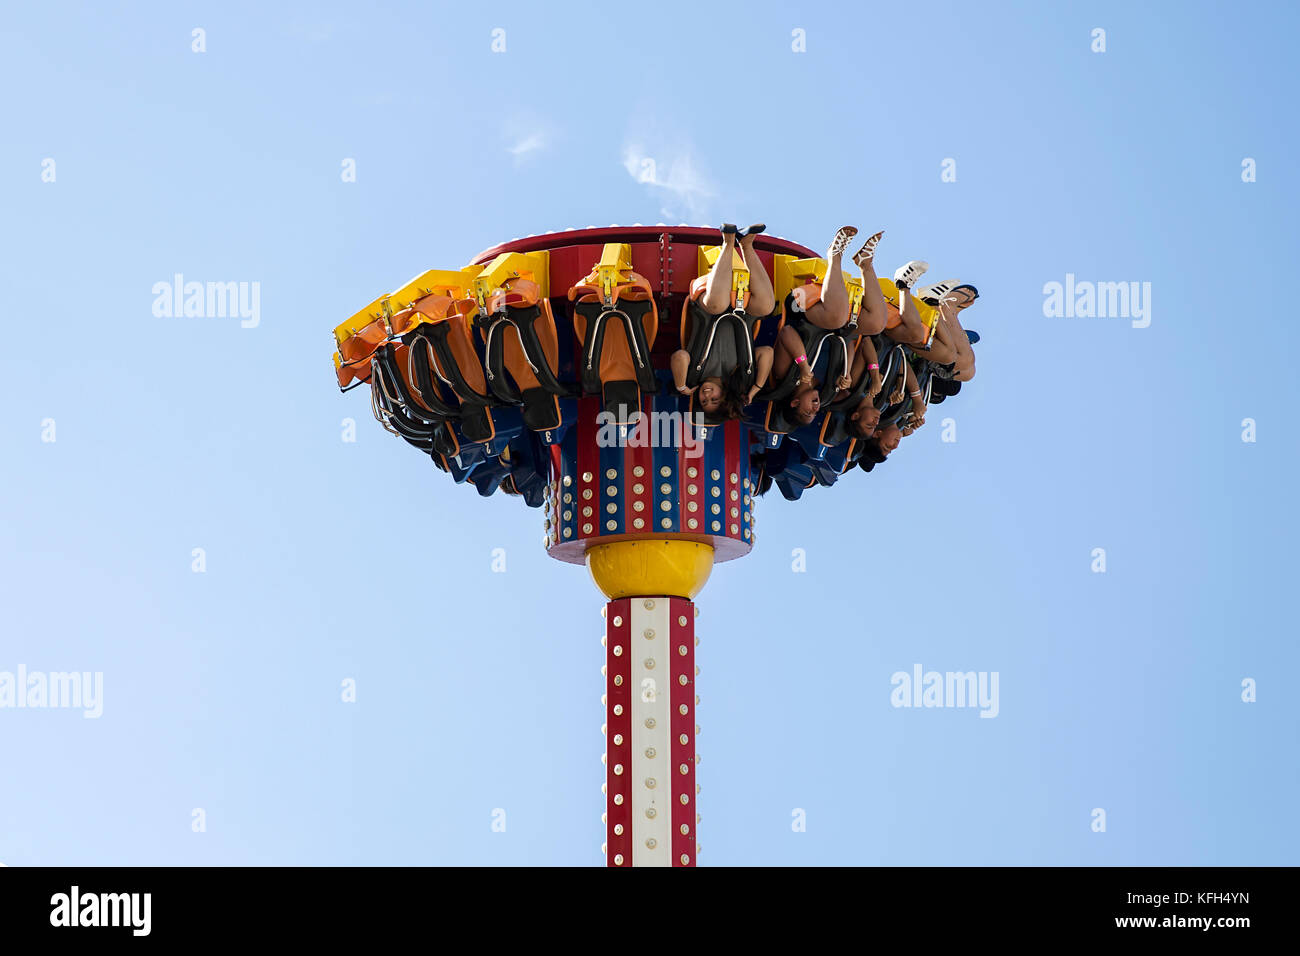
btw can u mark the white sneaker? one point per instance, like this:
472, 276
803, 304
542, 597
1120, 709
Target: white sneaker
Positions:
908, 274
938, 290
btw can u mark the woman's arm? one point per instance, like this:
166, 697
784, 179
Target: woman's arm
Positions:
857, 368
871, 361
903, 386
680, 364
918, 405
762, 368
789, 350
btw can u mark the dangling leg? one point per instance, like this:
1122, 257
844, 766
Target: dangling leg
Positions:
940, 352
965, 360
762, 299
912, 329
874, 312
717, 289
943, 334
835, 294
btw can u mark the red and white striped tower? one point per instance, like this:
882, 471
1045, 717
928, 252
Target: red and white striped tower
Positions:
650, 730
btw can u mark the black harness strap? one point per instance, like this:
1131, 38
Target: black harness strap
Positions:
495, 366
705, 329
392, 380
630, 313
422, 373
523, 321
392, 413
451, 374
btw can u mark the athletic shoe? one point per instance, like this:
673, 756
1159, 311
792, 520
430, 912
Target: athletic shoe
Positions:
938, 290
907, 275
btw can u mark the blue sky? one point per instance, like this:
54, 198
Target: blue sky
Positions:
221, 690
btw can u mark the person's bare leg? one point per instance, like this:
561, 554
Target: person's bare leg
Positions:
946, 349
819, 316
941, 353
951, 346
835, 294
964, 362
717, 290
913, 330
875, 311
762, 299
943, 334
956, 334
905, 334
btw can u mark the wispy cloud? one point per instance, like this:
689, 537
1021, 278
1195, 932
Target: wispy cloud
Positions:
529, 143
674, 175
525, 136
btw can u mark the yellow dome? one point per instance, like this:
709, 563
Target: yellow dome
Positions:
655, 566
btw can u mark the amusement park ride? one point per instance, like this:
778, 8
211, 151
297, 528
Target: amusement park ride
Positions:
542, 370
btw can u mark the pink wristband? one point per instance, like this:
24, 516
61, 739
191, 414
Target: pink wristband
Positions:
801, 358
873, 367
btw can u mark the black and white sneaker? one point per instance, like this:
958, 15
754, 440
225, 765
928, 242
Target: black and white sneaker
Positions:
907, 275
939, 291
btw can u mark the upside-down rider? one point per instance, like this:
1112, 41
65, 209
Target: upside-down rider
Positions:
722, 379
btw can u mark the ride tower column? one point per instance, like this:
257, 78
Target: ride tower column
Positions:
650, 698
